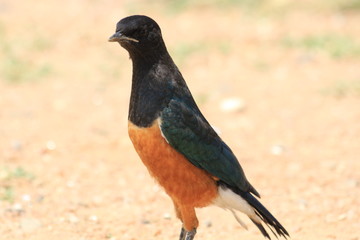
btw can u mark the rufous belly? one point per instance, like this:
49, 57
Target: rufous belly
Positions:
182, 181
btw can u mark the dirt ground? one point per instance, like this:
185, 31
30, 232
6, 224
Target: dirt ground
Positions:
69, 171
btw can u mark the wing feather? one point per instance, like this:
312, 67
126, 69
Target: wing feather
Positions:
189, 133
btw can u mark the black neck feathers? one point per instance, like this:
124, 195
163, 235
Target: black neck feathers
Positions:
151, 89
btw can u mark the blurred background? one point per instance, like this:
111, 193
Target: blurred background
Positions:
279, 79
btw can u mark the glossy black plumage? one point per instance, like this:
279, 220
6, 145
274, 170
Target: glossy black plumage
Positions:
160, 92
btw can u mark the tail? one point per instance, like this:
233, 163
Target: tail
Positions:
266, 217
235, 199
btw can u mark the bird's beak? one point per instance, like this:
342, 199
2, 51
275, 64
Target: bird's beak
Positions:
119, 37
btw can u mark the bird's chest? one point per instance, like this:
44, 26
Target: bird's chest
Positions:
184, 182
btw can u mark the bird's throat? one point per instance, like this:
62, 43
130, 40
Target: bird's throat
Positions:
152, 88
148, 96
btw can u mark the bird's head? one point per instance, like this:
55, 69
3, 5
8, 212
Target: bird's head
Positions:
138, 35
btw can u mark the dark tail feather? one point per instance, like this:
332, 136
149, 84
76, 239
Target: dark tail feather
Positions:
265, 216
253, 190
262, 229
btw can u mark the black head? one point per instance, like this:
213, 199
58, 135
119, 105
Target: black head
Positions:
138, 35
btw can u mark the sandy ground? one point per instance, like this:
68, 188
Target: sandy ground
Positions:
69, 171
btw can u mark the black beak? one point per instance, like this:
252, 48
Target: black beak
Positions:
116, 37
119, 37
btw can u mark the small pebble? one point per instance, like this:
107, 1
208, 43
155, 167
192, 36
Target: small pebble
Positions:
145, 221
26, 198
73, 219
40, 198
277, 150
353, 183
16, 145
167, 216
17, 207
50, 145
303, 204
3, 174
70, 184
93, 218
232, 105
342, 217
208, 223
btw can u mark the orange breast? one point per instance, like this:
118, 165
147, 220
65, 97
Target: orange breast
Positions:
183, 182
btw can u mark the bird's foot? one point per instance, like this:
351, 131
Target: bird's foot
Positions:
187, 235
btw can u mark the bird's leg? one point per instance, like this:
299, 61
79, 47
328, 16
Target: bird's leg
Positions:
185, 235
178, 214
182, 234
188, 217
190, 235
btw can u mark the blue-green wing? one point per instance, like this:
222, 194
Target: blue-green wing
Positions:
186, 130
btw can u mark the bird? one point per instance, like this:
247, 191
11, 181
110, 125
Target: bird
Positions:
176, 143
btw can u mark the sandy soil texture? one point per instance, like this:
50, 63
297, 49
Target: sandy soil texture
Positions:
68, 169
